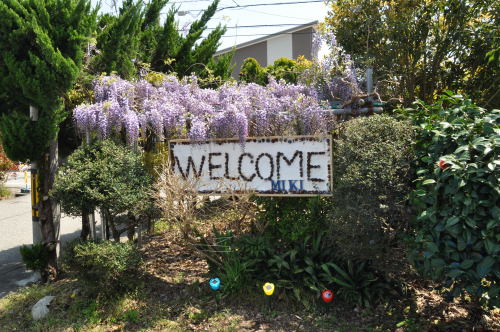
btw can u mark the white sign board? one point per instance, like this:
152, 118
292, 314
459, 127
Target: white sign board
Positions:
299, 165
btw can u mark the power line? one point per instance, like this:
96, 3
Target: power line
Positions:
256, 26
271, 34
259, 12
187, 1
260, 4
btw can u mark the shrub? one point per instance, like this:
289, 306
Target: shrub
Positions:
252, 72
290, 219
35, 257
457, 239
105, 175
282, 69
105, 267
371, 184
302, 268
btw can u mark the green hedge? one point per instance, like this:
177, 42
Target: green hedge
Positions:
371, 184
457, 196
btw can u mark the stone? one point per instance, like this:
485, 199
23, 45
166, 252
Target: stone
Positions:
41, 308
25, 282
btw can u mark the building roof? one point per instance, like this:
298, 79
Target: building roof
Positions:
261, 39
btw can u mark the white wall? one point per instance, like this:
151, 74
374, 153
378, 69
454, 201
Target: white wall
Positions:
279, 47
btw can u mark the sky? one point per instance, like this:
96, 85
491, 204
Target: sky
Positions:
286, 16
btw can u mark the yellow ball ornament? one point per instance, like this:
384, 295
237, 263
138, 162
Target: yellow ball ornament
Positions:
268, 288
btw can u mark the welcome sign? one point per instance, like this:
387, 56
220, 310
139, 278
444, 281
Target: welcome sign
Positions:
275, 166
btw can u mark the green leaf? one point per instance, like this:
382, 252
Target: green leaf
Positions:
461, 149
466, 264
432, 247
401, 324
341, 283
341, 272
309, 270
491, 224
420, 192
309, 261
484, 267
437, 263
491, 247
452, 221
454, 273
470, 222
428, 181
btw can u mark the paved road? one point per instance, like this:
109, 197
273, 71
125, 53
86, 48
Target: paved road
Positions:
16, 230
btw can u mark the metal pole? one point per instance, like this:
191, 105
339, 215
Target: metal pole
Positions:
363, 110
35, 196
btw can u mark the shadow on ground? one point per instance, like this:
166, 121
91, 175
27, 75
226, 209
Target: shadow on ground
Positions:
13, 270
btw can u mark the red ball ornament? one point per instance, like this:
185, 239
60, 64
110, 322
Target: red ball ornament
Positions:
327, 295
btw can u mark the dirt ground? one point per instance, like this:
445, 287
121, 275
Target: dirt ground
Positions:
177, 273
175, 296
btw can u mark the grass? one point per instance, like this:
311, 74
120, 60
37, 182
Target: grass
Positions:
4, 192
175, 296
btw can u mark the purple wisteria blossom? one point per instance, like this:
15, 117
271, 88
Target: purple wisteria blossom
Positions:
199, 130
333, 77
181, 108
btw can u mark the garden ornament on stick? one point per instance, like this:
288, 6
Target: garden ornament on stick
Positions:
215, 285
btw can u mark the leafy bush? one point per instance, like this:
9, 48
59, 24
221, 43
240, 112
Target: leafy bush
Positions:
371, 184
35, 257
282, 69
294, 252
106, 267
105, 175
290, 219
298, 268
252, 72
358, 283
457, 192
303, 269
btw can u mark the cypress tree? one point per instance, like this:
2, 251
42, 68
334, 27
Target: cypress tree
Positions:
189, 54
41, 52
118, 41
137, 35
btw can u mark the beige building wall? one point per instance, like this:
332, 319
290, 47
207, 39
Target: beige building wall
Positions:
290, 44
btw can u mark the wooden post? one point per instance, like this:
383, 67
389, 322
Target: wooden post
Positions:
369, 80
139, 223
35, 196
92, 215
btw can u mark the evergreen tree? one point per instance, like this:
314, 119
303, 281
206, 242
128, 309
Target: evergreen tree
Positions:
135, 35
186, 55
41, 52
118, 41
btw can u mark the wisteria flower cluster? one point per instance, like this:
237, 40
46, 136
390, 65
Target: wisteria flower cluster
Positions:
181, 108
333, 76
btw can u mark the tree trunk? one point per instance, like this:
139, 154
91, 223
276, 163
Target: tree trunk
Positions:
131, 223
49, 211
84, 235
111, 222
